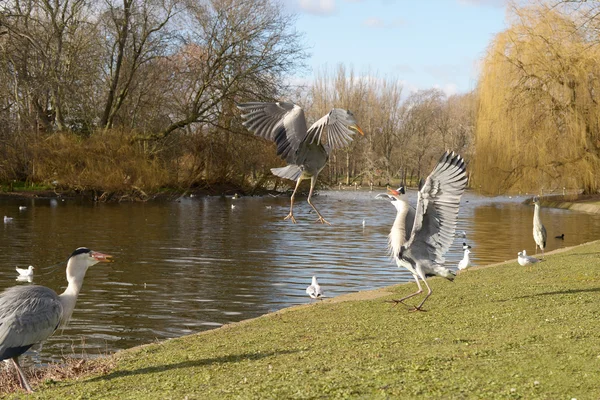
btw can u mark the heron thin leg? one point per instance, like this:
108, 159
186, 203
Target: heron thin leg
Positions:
22, 379
313, 181
291, 214
429, 291
411, 295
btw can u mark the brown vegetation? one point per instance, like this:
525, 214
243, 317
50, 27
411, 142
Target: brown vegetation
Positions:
70, 368
132, 97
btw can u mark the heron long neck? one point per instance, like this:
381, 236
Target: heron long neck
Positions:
536, 215
68, 298
397, 235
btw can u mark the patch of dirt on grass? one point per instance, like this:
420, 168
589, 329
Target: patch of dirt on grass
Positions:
71, 368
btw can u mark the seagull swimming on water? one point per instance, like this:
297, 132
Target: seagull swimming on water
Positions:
314, 290
7, 219
25, 271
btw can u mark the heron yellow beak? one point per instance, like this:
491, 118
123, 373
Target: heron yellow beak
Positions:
393, 191
101, 257
357, 129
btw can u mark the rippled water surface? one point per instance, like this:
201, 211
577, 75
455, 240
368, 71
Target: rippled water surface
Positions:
183, 267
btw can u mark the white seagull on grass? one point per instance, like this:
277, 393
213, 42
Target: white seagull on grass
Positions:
314, 290
524, 259
466, 261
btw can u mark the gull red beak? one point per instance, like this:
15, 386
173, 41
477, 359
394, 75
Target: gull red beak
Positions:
101, 257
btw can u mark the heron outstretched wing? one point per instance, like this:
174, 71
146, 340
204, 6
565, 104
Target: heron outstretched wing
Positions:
335, 125
28, 315
283, 123
437, 209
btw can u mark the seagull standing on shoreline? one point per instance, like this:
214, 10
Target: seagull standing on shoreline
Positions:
523, 259
466, 261
314, 290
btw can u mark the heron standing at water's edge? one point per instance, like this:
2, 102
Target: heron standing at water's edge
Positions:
434, 224
30, 314
539, 231
305, 150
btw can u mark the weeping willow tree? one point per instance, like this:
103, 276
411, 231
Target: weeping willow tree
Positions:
537, 124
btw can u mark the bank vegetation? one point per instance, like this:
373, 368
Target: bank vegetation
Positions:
139, 96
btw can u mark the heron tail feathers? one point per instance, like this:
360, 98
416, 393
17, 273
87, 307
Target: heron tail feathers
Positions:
445, 272
292, 172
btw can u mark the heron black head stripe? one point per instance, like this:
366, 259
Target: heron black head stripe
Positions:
80, 250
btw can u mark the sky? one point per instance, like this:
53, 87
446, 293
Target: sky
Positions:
422, 43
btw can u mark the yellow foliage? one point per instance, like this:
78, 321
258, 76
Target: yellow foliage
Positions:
537, 124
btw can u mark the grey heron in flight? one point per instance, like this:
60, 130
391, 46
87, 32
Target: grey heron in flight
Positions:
305, 150
433, 226
539, 231
30, 314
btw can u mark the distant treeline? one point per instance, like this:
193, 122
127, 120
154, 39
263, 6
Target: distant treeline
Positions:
139, 95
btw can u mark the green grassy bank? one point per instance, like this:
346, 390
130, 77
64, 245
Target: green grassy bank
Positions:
504, 331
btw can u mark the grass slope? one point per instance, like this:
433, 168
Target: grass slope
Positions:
500, 332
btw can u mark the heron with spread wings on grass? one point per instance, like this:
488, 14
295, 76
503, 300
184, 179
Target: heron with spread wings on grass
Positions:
433, 226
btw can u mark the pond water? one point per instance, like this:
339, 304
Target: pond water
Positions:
195, 264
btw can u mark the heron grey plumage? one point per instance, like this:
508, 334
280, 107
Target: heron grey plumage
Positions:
539, 231
30, 314
434, 224
305, 150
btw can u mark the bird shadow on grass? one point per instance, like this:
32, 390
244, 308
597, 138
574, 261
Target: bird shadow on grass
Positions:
190, 363
591, 253
557, 292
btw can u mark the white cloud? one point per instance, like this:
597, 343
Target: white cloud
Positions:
449, 88
317, 7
